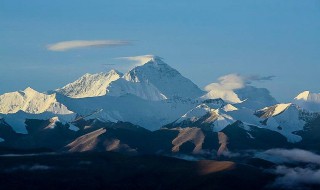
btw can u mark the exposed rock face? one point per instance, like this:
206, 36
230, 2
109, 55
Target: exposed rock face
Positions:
194, 135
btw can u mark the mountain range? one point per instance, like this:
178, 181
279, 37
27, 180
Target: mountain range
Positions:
153, 108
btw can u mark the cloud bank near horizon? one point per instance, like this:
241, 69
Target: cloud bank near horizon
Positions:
297, 169
76, 44
295, 155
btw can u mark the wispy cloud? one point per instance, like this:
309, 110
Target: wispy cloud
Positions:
75, 44
139, 60
253, 78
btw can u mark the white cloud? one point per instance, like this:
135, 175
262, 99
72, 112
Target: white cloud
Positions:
227, 82
140, 60
296, 178
294, 155
226, 85
75, 44
224, 88
236, 81
302, 171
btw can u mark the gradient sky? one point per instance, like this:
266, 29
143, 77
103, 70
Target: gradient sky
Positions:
202, 39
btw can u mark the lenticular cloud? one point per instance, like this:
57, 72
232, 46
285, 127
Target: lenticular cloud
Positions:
75, 44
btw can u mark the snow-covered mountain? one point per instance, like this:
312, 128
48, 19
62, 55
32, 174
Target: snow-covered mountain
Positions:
309, 101
90, 85
289, 118
154, 80
166, 79
142, 89
30, 101
285, 119
17, 120
17, 107
150, 95
216, 117
205, 116
155, 96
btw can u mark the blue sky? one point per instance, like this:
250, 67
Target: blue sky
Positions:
202, 39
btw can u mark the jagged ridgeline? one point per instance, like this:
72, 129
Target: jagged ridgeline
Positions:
153, 108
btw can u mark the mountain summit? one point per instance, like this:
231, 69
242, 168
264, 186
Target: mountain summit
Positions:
154, 80
30, 101
309, 101
166, 79
90, 85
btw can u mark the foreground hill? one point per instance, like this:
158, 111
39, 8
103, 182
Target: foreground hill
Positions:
115, 171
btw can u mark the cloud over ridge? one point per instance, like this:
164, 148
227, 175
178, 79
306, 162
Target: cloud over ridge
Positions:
141, 59
236, 81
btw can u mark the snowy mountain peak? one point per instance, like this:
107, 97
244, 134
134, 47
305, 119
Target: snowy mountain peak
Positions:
154, 80
168, 81
90, 85
229, 107
308, 96
303, 95
274, 110
309, 101
156, 60
155, 65
286, 119
29, 90
150, 59
30, 101
115, 72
